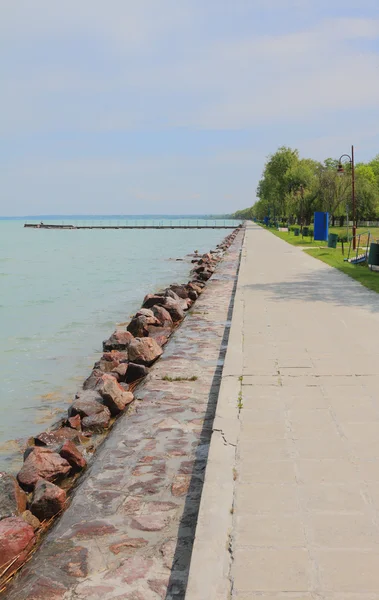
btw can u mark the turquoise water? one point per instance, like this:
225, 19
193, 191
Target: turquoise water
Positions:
61, 294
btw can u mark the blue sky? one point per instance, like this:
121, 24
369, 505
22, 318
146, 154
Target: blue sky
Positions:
171, 106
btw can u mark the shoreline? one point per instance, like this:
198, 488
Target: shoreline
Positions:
112, 398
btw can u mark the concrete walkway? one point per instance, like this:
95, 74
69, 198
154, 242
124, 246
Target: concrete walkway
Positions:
303, 519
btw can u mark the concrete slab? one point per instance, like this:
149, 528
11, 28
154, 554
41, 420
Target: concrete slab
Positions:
306, 473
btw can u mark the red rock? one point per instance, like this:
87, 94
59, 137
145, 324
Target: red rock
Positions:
174, 308
135, 372
48, 500
127, 544
73, 456
119, 356
91, 381
146, 312
193, 295
162, 315
105, 366
135, 568
144, 351
155, 522
98, 422
42, 463
44, 588
138, 326
121, 371
86, 403
180, 485
95, 528
119, 340
96, 592
73, 561
113, 395
196, 287
16, 539
160, 334
74, 422
180, 290
51, 438
151, 299
169, 293
12, 498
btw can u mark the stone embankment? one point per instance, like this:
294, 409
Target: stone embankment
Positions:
113, 501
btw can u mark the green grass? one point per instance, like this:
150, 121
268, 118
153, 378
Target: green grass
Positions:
295, 240
168, 378
361, 273
333, 257
308, 242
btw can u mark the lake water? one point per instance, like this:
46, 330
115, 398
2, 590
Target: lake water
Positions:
61, 294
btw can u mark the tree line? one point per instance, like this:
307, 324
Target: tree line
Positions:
292, 189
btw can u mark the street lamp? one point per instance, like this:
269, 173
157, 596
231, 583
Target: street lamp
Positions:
302, 207
340, 171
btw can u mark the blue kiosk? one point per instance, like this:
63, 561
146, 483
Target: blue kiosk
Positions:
321, 226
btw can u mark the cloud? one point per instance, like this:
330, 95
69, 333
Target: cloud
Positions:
84, 81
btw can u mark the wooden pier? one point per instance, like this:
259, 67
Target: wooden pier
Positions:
45, 226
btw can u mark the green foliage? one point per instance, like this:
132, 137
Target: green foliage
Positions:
245, 213
292, 189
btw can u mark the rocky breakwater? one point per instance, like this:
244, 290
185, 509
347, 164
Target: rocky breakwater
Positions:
55, 458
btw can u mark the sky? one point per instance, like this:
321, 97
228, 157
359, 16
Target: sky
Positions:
172, 106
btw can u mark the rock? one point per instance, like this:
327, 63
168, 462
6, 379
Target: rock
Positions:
195, 287
119, 356
162, 315
144, 350
160, 334
16, 539
51, 438
12, 498
138, 326
97, 422
31, 519
87, 403
180, 290
193, 295
169, 293
135, 372
74, 422
105, 366
174, 308
151, 299
121, 371
114, 397
48, 500
186, 304
73, 456
91, 381
119, 340
42, 463
146, 312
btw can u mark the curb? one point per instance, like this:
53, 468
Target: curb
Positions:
209, 575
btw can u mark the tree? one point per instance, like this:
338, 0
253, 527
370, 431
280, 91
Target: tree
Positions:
274, 185
366, 192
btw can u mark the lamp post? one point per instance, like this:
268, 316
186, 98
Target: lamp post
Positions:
302, 208
340, 171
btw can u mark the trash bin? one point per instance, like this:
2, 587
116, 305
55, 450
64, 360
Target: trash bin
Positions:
305, 231
332, 240
373, 257
296, 231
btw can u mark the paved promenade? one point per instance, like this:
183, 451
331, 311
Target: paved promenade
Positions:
295, 487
